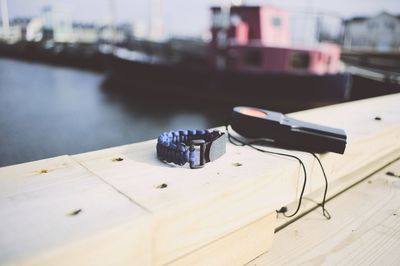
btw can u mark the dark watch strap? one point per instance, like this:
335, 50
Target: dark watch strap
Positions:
196, 147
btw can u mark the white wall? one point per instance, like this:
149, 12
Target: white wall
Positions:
381, 33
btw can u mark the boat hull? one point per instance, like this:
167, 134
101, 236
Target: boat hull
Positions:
266, 89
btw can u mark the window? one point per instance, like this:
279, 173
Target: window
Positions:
300, 60
217, 19
389, 25
276, 21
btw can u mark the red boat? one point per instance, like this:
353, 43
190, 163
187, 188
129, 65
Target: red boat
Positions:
250, 60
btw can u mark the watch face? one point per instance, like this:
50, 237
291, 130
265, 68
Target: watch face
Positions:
253, 112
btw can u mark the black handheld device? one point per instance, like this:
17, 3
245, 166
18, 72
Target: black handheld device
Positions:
287, 132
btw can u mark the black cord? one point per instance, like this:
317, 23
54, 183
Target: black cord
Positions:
238, 142
325, 213
235, 141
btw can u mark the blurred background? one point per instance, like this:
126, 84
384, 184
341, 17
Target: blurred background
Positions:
78, 76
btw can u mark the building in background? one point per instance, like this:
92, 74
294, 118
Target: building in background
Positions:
34, 30
15, 31
57, 24
379, 33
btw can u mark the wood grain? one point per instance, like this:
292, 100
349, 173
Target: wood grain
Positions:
55, 212
236, 248
144, 211
200, 206
364, 229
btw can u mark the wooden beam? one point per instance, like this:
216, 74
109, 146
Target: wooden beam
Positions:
186, 210
55, 212
199, 206
235, 248
372, 126
364, 229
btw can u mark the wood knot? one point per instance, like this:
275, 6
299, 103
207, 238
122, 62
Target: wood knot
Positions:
74, 212
390, 173
163, 185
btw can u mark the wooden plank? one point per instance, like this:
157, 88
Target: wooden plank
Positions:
55, 212
236, 248
200, 206
372, 144
194, 209
197, 206
364, 229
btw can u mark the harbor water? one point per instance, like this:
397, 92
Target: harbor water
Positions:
47, 111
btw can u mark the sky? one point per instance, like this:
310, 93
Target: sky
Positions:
189, 17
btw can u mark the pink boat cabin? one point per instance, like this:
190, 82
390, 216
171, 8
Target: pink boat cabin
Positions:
257, 39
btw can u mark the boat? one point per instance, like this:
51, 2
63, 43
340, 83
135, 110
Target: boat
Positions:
249, 60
